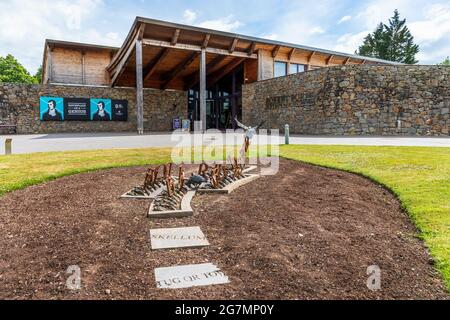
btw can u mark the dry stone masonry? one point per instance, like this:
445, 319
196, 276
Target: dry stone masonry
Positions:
19, 105
354, 100
340, 100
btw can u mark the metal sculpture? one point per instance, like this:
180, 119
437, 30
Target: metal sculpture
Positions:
170, 186
181, 177
249, 133
203, 169
195, 181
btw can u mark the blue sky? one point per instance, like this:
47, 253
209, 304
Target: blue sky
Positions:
336, 25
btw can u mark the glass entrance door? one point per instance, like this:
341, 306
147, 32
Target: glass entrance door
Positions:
211, 115
223, 101
224, 114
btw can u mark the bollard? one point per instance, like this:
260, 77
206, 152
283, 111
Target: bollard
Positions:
286, 134
8, 144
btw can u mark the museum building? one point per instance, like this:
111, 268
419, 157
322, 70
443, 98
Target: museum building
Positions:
192, 73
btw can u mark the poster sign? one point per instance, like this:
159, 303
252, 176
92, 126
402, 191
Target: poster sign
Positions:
120, 110
76, 109
51, 109
101, 110
82, 109
176, 124
186, 125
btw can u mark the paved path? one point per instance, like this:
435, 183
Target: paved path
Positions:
67, 142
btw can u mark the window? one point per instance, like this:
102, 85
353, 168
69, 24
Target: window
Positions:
280, 69
296, 68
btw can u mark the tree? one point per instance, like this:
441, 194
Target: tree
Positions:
11, 71
446, 62
392, 42
374, 44
38, 75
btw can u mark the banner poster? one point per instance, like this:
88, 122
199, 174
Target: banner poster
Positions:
82, 109
176, 123
186, 125
51, 109
119, 110
76, 109
101, 110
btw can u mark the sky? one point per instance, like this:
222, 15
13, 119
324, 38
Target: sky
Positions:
335, 25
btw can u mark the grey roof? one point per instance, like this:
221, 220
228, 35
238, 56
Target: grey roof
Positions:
256, 39
80, 44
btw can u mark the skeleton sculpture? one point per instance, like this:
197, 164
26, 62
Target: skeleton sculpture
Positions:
249, 134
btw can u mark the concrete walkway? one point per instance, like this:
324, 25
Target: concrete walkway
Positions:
93, 141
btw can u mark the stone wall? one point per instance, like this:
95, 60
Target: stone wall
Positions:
19, 105
354, 100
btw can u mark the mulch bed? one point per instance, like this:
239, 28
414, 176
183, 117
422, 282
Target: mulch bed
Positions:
306, 233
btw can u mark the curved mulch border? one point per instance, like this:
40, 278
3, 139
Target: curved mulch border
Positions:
306, 233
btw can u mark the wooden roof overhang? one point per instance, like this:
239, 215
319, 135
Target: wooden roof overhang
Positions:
170, 54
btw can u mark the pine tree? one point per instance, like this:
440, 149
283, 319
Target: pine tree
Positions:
391, 41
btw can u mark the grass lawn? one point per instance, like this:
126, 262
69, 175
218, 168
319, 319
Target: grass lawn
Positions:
20, 171
420, 177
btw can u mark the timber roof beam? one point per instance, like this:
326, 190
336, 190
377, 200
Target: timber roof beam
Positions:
224, 71
311, 56
151, 67
176, 35
194, 78
251, 49
167, 78
206, 41
196, 48
233, 45
275, 51
291, 54
329, 59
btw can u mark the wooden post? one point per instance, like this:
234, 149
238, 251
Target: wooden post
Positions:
50, 64
139, 89
233, 101
203, 89
260, 66
83, 68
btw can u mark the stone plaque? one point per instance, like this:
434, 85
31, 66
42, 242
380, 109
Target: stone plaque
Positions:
177, 238
189, 276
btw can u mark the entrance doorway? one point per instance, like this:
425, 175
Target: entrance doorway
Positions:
223, 101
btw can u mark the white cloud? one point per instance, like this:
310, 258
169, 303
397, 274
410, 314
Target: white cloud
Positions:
25, 24
344, 19
428, 23
227, 23
223, 24
380, 11
304, 22
272, 36
316, 30
189, 16
434, 27
349, 42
